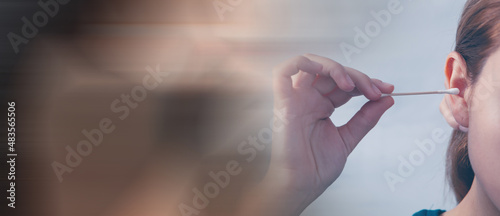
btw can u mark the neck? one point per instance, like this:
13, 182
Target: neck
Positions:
476, 202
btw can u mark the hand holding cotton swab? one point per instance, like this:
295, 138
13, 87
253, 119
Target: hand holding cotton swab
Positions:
453, 91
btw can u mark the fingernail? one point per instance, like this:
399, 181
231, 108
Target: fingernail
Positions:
376, 89
463, 129
349, 80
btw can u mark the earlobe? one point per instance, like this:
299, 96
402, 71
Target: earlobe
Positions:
456, 77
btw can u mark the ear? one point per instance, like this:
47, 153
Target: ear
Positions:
456, 77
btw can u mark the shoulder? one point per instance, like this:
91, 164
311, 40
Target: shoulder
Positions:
429, 213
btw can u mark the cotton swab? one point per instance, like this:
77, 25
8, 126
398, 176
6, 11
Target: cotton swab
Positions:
453, 91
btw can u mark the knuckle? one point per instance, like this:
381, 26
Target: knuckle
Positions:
298, 60
310, 55
365, 77
374, 80
336, 69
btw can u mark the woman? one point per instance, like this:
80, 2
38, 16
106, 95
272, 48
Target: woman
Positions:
310, 152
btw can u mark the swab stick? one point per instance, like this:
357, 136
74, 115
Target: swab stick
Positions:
453, 91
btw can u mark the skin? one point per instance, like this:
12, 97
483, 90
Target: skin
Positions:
477, 110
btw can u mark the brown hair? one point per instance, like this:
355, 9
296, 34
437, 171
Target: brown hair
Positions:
478, 36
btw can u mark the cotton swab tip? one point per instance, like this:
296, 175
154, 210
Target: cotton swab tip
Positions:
454, 91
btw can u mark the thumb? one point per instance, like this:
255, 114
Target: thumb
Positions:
363, 121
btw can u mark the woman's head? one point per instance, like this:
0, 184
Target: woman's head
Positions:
472, 68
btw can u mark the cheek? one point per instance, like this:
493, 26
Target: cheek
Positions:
484, 145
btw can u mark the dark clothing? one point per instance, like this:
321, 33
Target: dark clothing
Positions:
429, 213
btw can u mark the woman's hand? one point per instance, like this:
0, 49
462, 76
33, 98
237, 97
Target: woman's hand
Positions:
309, 151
